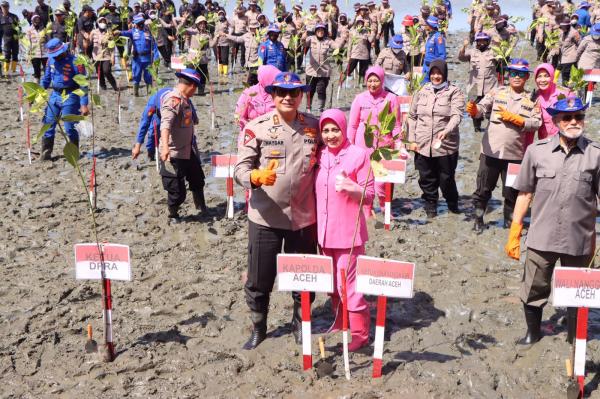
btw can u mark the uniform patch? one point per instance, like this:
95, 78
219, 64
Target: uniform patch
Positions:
248, 136
174, 102
310, 132
275, 153
440, 40
276, 120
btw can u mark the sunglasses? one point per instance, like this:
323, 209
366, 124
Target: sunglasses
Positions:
570, 117
280, 92
521, 74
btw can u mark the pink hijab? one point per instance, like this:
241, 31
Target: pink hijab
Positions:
266, 75
546, 98
380, 73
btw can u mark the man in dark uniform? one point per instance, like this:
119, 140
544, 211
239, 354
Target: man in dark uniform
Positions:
59, 27
559, 177
178, 152
44, 11
9, 37
276, 161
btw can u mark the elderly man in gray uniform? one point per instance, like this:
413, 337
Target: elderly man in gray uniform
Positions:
276, 161
559, 177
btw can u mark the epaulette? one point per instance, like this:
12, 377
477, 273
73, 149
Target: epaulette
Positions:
543, 141
595, 144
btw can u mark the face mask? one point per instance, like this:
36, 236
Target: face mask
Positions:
574, 23
102, 26
440, 86
482, 46
153, 16
221, 19
596, 37
396, 50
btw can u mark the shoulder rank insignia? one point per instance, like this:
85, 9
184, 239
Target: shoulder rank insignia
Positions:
248, 136
310, 132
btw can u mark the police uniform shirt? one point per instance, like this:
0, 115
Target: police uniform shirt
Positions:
178, 117
290, 203
565, 188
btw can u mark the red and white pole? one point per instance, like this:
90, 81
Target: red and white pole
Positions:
98, 78
20, 98
580, 346
306, 330
379, 335
590, 93
229, 197
119, 106
108, 335
387, 217
345, 325
28, 130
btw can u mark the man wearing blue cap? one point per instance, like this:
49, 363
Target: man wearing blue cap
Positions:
178, 151
144, 51
512, 114
583, 14
393, 58
588, 50
435, 46
59, 74
277, 161
559, 177
271, 51
482, 71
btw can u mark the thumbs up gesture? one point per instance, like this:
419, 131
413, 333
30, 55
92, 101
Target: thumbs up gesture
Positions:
266, 177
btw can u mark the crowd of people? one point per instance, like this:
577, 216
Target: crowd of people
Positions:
308, 174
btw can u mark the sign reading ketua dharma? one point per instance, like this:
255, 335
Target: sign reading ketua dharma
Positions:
390, 278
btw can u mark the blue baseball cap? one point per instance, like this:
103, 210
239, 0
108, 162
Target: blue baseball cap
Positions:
433, 22
482, 36
595, 29
320, 25
584, 4
518, 64
396, 42
569, 104
286, 80
138, 19
273, 28
56, 47
191, 75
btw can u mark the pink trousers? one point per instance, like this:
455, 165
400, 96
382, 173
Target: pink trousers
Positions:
356, 301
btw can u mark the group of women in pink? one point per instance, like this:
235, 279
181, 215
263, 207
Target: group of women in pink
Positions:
343, 174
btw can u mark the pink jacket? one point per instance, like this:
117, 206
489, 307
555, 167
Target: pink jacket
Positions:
545, 99
255, 101
337, 211
366, 103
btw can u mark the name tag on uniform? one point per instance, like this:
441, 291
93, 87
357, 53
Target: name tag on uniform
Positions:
511, 173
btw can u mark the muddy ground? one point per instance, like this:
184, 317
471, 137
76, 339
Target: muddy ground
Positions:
180, 323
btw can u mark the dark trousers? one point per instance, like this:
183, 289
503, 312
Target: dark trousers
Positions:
317, 85
105, 68
39, 64
477, 121
487, 178
223, 55
264, 243
437, 173
203, 71
11, 50
165, 52
362, 67
537, 274
416, 60
388, 30
239, 50
565, 71
174, 182
252, 78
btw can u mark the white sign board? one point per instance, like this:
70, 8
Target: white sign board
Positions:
177, 63
390, 278
576, 287
223, 165
116, 266
511, 173
396, 84
591, 75
312, 273
392, 171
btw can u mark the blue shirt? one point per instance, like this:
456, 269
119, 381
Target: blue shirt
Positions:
59, 74
143, 45
584, 17
151, 114
273, 53
435, 47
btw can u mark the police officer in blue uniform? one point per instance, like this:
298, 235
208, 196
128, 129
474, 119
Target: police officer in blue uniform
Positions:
435, 47
272, 52
150, 124
144, 51
59, 74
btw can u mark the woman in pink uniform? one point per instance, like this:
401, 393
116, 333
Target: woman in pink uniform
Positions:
546, 94
255, 101
341, 175
372, 101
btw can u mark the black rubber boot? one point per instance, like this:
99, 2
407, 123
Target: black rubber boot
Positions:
508, 215
151, 156
199, 200
201, 90
297, 323
479, 225
47, 146
259, 330
533, 318
174, 217
136, 90
431, 209
477, 125
453, 207
571, 324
